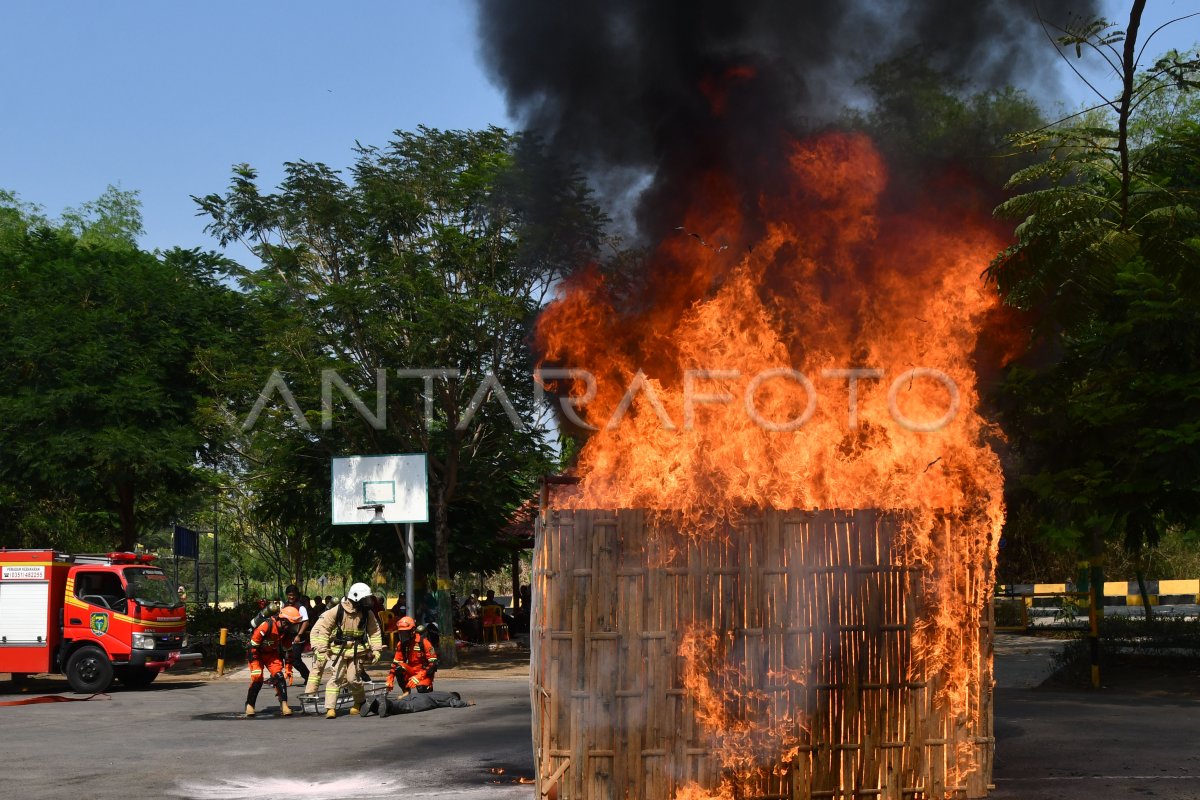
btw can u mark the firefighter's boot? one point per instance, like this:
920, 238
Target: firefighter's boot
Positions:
360, 698
280, 681
249, 710
330, 714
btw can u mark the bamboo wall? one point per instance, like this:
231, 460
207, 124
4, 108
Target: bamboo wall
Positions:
812, 614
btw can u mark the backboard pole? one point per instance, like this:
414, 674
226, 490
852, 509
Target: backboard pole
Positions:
409, 572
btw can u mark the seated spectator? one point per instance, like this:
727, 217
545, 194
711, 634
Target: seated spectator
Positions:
521, 614
427, 609
491, 620
505, 617
471, 624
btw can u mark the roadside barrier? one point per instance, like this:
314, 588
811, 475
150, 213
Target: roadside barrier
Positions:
1116, 593
1016, 605
1067, 607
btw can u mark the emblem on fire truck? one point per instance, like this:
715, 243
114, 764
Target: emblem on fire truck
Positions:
99, 623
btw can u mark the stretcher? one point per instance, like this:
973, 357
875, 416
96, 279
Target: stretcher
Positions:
314, 702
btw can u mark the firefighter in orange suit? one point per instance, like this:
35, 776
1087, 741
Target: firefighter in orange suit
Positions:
415, 659
269, 646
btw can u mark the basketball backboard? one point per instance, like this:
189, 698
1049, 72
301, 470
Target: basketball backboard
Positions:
398, 483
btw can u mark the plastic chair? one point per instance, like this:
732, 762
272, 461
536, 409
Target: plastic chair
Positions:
494, 626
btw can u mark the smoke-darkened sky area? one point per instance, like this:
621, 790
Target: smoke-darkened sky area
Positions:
174, 130
628, 88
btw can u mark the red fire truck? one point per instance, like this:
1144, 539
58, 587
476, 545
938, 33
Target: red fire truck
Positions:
91, 617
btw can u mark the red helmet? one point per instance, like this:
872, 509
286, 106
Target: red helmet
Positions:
290, 614
406, 624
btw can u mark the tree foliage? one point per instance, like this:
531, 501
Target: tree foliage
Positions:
928, 121
1103, 412
101, 388
436, 254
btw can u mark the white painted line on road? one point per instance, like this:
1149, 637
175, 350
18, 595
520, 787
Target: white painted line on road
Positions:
360, 785
1101, 778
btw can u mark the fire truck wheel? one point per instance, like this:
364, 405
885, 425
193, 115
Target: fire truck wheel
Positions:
89, 670
137, 677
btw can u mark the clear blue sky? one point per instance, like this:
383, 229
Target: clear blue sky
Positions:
164, 97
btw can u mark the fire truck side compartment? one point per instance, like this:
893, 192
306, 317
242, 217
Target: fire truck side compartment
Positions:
30, 630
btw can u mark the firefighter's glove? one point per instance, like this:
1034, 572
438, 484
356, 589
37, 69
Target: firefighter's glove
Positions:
376, 656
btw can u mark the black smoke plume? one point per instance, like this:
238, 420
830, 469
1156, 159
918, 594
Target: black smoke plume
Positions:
637, 90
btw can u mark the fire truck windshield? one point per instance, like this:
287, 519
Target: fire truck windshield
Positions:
149, 588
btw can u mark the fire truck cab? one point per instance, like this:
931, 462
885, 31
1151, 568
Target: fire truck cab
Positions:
92, 617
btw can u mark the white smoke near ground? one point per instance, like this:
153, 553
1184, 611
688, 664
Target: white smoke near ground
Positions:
358, 786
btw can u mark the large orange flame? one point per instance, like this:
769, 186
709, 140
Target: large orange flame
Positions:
801, 348
829, 286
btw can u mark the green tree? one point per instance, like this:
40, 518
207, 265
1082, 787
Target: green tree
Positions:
928, 122
438, 254
100, 389
1103, 414
114, 216
17, 216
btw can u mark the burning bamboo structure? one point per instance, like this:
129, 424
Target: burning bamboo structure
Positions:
801, 322
827, 357
776, 657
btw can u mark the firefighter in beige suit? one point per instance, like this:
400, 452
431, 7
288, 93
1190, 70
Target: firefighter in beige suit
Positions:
345, 639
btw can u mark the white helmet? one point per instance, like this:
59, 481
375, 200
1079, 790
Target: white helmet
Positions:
358, 592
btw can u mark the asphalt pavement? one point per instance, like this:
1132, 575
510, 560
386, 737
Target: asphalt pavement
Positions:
186, 739
1087, 745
